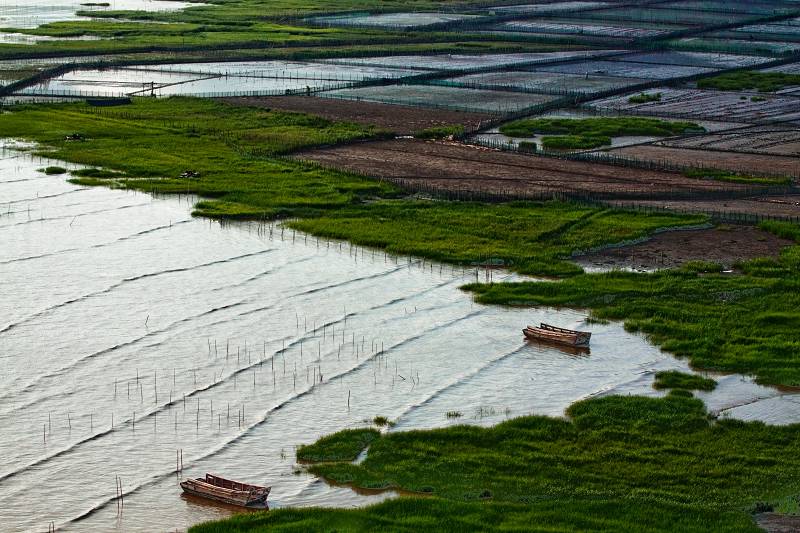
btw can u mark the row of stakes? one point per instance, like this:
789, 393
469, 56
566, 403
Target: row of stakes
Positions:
317, 371
314, 375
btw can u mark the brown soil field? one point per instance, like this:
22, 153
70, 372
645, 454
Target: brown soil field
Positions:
773, 206
398, 119
455, 167
725, 245
768, 140
741, 162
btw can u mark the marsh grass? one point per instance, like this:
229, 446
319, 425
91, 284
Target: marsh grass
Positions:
414, 514
611, 447
54, 171
531, 238
746, 323
234, 149
341, 446
617, 464
672, 379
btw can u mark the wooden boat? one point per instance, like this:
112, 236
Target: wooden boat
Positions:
548, 333
227, 491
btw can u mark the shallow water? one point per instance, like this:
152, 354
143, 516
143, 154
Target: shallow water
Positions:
130, 331
392, 20
34, 13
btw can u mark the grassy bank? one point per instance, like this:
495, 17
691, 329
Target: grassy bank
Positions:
234, 150
411, 515
531, 238
766, 82
735, 177
744, 323
617, 464
672, 379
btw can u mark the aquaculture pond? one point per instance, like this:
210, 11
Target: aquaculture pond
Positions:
212, 79
136, 338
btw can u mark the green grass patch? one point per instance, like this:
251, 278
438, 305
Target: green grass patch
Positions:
744, 323
617, 464
409, 515
54, 171
644, 98
765, 82
735, 177
532, 238
342, 446
785, 230
613, 447
672, 379
574, 142
440, 132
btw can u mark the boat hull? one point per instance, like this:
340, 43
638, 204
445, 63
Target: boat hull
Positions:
575, 339
215, 494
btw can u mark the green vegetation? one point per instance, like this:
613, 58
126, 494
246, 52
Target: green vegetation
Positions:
411, 514
382, 421
527, 146
574, 142
233, 149
765, 82
618, 464
782, 229
598, 127
441, 132
99, 173
700, 266
735, 177
644, 98
587, 133
342, 446
54, 171
672, 379
532, 238
744, 323
149, 144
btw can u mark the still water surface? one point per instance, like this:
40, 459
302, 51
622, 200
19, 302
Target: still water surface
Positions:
130, 330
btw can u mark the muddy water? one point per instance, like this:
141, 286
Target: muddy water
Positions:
130, 331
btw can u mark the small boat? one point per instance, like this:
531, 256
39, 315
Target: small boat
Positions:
548, 333
227, 491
